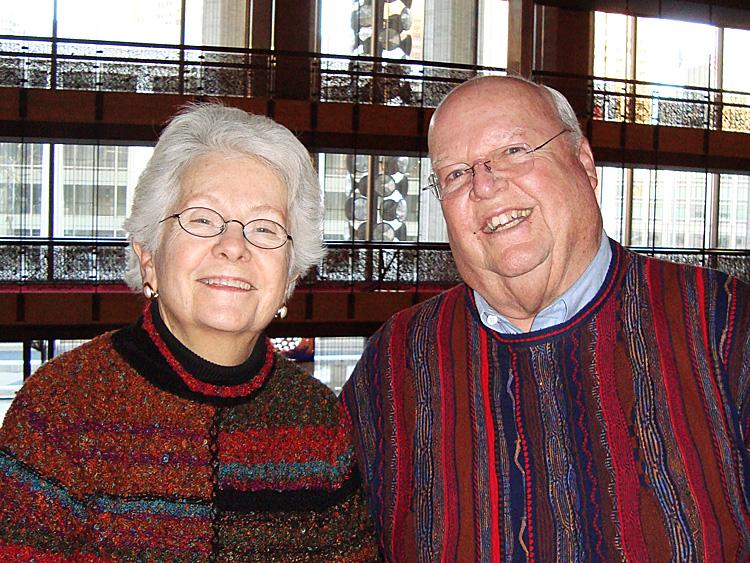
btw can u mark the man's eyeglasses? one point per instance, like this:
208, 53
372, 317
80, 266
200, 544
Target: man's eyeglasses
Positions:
507, 162
206, 223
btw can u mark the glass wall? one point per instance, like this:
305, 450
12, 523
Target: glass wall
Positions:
24, 189
657, 208
680, 62
93, 189
465, 31
379, 198
30, 17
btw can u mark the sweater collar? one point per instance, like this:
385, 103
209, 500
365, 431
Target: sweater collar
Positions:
150, 349
201, 375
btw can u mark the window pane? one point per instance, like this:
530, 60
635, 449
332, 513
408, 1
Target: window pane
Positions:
23, 188
734, 210
30, 17
93, 185
669, 208
611, 194
492, 49
335, 358
612, 42
140, 21
735, 77
11, 371
218, 24
349, 180
675, 53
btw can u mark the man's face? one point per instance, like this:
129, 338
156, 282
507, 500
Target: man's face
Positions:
541, 227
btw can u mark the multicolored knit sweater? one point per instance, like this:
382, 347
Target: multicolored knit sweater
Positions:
620, 435
132, 448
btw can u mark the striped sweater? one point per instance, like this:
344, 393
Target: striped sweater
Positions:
114, 451
616, 436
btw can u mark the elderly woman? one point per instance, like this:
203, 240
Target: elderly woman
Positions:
185, 436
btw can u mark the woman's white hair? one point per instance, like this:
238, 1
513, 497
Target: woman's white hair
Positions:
211, 128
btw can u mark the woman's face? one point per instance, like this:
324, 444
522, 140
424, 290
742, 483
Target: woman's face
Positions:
217, 294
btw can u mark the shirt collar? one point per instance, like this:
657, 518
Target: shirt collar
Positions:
564, 307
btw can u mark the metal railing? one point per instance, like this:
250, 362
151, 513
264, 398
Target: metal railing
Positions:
365, 265
64, 63
61, 63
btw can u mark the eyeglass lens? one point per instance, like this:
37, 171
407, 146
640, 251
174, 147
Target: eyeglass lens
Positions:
206, 223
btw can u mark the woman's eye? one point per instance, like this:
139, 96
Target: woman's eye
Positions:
264, 230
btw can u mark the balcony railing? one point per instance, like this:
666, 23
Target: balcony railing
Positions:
368, 266
59, 63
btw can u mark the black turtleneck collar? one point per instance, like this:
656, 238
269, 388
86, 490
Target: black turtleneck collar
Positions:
142, 351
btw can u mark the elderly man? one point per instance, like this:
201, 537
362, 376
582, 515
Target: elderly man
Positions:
571, 400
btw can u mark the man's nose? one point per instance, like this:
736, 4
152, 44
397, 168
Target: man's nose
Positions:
485, 181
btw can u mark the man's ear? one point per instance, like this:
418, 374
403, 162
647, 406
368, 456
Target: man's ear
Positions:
587, 160
148, 270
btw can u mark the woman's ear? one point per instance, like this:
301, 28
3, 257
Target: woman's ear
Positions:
148, 270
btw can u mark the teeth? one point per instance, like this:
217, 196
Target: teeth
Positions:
506, 220
229, 283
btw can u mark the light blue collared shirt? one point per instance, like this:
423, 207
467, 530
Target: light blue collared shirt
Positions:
564, 307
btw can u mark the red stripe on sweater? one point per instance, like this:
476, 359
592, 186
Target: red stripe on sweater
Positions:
489, 423
620, 445
401, 538
448, 423
701, 290
732, 314
682, 435
264, 445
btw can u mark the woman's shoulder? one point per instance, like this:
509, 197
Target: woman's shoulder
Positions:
300, 395
72, 365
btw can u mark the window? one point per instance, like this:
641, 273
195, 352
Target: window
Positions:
379, 198
675, 208
141, 21
22, 185
30, 17
679, 61
473, 32
94, 188
734, 201
335, 358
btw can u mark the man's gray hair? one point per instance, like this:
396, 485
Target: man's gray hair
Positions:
565, 113
211, 128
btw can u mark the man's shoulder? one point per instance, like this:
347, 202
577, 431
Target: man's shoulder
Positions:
429, 308
688, 270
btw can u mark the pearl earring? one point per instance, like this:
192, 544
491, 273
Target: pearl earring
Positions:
149, 292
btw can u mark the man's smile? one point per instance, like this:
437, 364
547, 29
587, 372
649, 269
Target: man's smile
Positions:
506, 220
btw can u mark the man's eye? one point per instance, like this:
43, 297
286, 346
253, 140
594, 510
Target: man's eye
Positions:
513, 150
201, 221
454, 175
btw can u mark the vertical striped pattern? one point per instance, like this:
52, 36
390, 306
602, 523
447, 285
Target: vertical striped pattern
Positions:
616, 436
